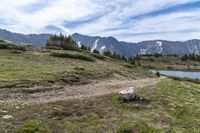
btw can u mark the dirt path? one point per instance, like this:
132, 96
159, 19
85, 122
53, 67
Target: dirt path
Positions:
75, 92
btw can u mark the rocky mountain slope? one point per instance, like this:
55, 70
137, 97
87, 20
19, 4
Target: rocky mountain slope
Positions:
145, 47
35, 39
110, 43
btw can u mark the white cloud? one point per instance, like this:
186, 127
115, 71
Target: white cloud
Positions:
54, 14
118, 14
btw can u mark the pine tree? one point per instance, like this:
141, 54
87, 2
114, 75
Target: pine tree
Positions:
65, 42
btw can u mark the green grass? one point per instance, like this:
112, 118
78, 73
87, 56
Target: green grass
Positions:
169, 63
33, 126
174, 106
5, 45
73, 56
98, 56
37, 67
16, 68
185, 79
53, 47
177, 102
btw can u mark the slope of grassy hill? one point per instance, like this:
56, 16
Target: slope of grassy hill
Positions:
169, 63
42, 66
59, 91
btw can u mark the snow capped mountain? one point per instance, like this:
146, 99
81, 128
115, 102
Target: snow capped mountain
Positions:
146, 47
94, 46
110, 43
155, 48
193, 46
99, 43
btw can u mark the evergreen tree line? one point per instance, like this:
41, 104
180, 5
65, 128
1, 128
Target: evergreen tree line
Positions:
194, 57
62, 41
67, 43
130, 59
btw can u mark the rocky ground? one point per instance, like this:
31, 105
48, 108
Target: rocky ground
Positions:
41, 94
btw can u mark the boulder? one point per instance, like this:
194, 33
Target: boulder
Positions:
128, 94
7, 117
3, 111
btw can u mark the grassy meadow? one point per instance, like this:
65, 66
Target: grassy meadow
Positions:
169, 106
40, 67
169, 63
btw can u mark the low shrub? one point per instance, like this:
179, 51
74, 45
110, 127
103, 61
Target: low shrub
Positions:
96, 51
53, 47
2, 40
73, 56
32, 126
4, 45
17, 47
129, 66
170, 68
98, 56
158, 74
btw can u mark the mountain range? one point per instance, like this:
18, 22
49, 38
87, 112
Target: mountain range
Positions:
34, 39
110, 43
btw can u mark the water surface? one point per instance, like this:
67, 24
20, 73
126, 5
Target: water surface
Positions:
180, 74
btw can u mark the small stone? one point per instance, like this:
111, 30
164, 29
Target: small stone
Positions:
128, 94
7, 117
79, 68
3, 111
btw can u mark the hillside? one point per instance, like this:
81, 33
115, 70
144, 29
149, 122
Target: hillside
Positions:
57, 91
169, 63
23, 63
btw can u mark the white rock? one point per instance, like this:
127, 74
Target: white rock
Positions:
3, 111
7, 117
79, 68
128, 94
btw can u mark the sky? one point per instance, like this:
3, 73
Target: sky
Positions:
127, 20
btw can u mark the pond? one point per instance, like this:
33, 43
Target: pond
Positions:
180, 74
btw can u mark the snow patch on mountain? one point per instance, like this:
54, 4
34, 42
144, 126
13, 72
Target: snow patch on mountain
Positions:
79, 44
194, 49
102, 49
143, 51
157, 48
94, 46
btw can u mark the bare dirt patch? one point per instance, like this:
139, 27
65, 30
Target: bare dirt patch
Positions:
96, 88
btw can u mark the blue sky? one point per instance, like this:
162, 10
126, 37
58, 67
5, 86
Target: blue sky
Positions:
127, 20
